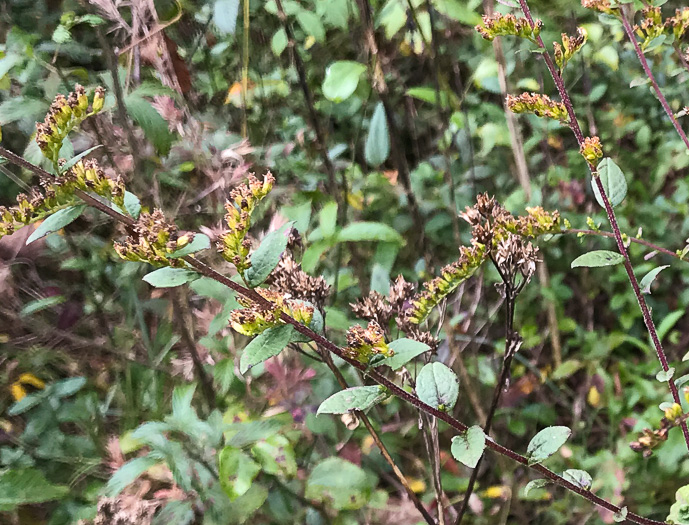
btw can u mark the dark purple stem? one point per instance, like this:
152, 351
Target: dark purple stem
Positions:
574, 125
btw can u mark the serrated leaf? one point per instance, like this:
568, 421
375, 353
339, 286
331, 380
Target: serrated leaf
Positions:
225, 15
613, 180
598, 258
265, 345
267, 255
132, 204
468, 446
369, 231
535, 484
170, 277
71, 162
377, 147
580, 478
200, 242
56, 221
620, 515
355, 398
438, 386
405, 350
546, 443
127, 474
342, 79
648, 279
154, 126
665, 375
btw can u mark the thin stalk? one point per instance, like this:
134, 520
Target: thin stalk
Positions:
574, 125
245, 70
373, 374
635, 240
647, 69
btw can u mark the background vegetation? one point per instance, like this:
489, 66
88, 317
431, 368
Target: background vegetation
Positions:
211, 91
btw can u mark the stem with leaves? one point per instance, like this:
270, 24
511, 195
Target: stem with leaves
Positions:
321, 341
574, 125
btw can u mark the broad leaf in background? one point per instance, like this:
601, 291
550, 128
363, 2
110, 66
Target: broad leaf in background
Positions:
341, 79
25, 487
225, 15
355, 398
369, 231
339, 483
155, 127
468, 446
56, 221
546, 443
614, 182
127, 474
267, 255
377, 147
237, 471
265, 345
405, 350
170, 277
437, 386
598, 258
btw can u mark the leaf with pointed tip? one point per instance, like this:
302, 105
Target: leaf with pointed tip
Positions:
170, 277
580, 478
546, 443
56, 221
437, 386
613, 181
355, 398
405, 350
468, 446
598, 258
265, 345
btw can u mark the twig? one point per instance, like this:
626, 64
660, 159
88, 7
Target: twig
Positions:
635, 240
574, 125
374, 375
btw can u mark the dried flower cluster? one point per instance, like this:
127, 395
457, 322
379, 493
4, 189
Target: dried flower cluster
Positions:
570, 45
652, 438
289, 278
364, 343
591, 149
651, 26
234, 245
603, 6
382, 310
255, 318
59, 193
503, 25
64, 115
153, 240
539, 105
679, 23
496, 233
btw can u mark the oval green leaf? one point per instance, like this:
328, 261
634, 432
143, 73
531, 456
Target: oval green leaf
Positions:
437, 386
468, 446
580, 478
546, 443
355, 398
170, 277
613, 180
342, 79
377, 147
598, 258
405, 350
265, 345
267, 255
369, 231
56, 221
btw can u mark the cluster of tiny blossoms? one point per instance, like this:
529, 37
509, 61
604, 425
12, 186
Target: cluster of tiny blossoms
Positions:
153, 240
496, 233
604, 6
365, 343
539, 105
679, 23
64, 115
591, 149
504, 25
234, 245
58, 193
255, 318
570, 45
650, 439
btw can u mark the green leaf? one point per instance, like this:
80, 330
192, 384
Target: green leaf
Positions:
458, 10
26, 403
132, 204
535, 484
200, 242
155, 127
665, 375
342, 79
546, 443
311, 24
67, 387
127, 474
679, 512
27, 487
279, 42
267, 255
668, 322
405, 350
71, 162
369, 231
38, 305
265, 345
437, 386
621, 515
428, 94
225, 15
468, 446
237, 471
21, 108
327, 219
566, 369
598, 258
377, 147
341, 483
276, 456
580, 478
56, 221
613, 180
355, 398
170, 277
648, 279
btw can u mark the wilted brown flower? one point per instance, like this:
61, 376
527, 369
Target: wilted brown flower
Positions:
289, 278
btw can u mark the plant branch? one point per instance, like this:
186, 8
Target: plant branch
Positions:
574, 125
373, 374
635, 240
